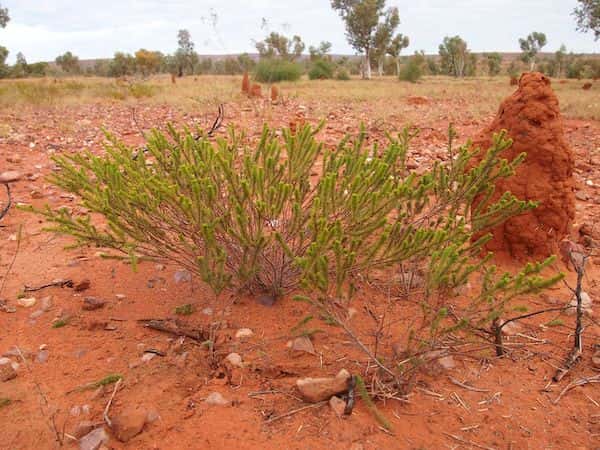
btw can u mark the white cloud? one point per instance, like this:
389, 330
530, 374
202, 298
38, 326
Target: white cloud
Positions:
43, 29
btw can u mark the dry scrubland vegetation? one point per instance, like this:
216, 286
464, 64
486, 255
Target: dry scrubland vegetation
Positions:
478, 96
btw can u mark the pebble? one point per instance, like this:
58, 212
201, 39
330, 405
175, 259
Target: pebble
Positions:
42, 356
207, 311
9, 177
235, 360
302, 344
314, 390
7, 371
82, 285
26, 302
94, 439
215, 398
243, 333
92, 303
182, 276
147, 357
337, 405
46, 303
129, 423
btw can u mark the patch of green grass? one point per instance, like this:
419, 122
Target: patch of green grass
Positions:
60, 323
555, 323
4, 402
185, 310
106, 381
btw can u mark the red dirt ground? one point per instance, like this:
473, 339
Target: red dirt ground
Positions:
516, 412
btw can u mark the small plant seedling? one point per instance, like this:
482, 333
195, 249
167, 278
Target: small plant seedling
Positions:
184, 310
60, 323
106, 381
555, 323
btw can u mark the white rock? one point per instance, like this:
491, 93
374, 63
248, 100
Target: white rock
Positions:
93, 440
148, 356
586, 304
215, 398
26, 302
244, 333
235, 360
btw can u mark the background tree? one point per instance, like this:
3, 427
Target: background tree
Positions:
560, 60
246, 62
21, 68
454, 54
383, 37
320, 52
396, 46
121, 65
278, 45
4, 17
185, 57
3, 66
531, 46
494, 63
361, 18
147, 62
68, 63
587, 15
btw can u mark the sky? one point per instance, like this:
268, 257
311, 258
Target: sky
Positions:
43, 29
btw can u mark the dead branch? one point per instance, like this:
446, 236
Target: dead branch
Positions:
294, 411
574, 384
8, 204
466, 386
105, 415
58, 283
172, 327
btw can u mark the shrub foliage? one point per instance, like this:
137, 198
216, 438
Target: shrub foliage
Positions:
289, 213
275, 70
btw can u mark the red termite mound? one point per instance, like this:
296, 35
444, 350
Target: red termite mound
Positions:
274, 93
532, 118
246, 83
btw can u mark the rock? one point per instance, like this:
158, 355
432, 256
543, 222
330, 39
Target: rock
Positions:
26, 302
586, 304
36, 194
42, 356
92, 303
7, 371
337, 405
148, 357
182, 276
129, 423
532, 119
596, 356
9, 177
244, 333
439, 361
82, 285
216, 399
235, 360
581, 195
207, 311
82, 429
302, 344
36, 314
314, 390
94, 439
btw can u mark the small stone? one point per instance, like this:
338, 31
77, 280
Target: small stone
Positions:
46, 303
267, 299
94, 439
337, 405
26, 302
152, 416
128, 424
42, 356
82, 429
36, 314
581, 195
351, 313
216, 399
7, 371
92, 303
207, 311
148, 356
243, 333
9, 177
82, 285
120, 297
75, 411
36, 194
586, 304
160, 267
314, 390
182, 276
235, 360
302, 344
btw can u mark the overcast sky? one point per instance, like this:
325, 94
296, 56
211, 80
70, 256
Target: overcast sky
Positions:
43, 29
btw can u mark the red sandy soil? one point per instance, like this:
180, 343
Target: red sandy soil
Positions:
516, 412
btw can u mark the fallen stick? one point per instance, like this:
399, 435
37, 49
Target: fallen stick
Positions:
105, 415
58, 283
466, 386
167, 326
464, 441
574, 384
294, 411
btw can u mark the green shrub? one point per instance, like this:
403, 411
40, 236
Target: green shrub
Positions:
275, 70
411, 71
321, 70
342, 75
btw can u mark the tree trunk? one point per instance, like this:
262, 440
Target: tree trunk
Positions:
532, 65
397, 67
367, 73
380, 66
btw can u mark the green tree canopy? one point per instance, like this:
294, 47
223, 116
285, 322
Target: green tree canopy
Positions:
587, 14
531, 46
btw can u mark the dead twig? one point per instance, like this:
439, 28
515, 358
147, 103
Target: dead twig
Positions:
295, 411
8, 204
466, 386
466, 442
57, 283
107, 408
12, 263
574, 384
172, 327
